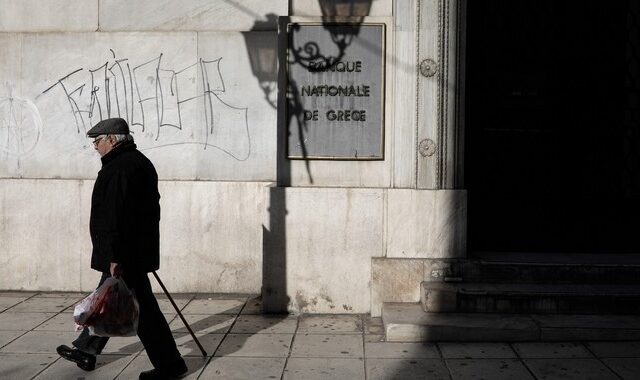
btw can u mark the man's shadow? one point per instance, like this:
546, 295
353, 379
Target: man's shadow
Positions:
212, 332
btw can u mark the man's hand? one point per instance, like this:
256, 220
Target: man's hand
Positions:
115, 269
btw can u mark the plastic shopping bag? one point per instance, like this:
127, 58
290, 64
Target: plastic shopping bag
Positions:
111, 310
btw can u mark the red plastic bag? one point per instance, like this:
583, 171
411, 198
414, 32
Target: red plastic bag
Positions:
111, 310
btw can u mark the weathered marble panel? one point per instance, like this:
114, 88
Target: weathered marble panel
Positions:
43, 234
394, 280
198, 113
211, 235
426, 223
312, 8
194, 15
48, 15
331, 235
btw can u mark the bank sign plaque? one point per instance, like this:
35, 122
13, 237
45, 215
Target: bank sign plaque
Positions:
335, 91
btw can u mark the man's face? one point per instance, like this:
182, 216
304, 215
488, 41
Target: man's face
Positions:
103, 144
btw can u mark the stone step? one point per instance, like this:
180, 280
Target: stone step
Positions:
551, 268
437, 297
407, 322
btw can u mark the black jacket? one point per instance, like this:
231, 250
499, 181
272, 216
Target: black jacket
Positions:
125, 212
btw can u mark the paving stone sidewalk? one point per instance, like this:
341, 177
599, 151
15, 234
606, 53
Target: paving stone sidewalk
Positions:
242, 343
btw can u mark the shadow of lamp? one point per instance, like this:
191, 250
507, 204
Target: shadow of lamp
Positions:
262, 49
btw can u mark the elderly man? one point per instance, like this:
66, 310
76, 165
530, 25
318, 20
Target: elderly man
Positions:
124, 227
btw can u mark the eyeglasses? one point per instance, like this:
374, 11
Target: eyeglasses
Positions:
97, 140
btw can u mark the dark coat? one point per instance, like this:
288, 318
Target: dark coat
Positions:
125, 212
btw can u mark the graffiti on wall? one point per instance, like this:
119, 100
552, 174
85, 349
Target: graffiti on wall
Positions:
20, 124
153, 97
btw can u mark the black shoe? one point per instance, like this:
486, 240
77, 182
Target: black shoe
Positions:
85, 361
156, 374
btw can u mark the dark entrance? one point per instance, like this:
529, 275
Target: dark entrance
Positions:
553, 126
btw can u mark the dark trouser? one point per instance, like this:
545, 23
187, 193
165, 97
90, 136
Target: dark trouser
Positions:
153, 329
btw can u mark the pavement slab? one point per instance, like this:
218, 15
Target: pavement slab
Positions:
39, 342
265, 324
253, 306
393, 350
10, 320
107, 367
538, 350
214, 306
142, 363
8, 302
569, 369
373, 326
188, 347
41, 304
121, 345
330, 324
327, 346
488, 369
615, 349
406, 369
234, 368
7, 336
60, 322
12, 366
166, 306
626, 368
325, 368
203, 323
256, 345
477, 351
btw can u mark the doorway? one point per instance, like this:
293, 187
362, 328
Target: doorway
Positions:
552, 138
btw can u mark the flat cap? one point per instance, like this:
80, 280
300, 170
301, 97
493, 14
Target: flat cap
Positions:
115, 126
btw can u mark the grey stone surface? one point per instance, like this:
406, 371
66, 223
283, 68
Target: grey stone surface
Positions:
167, 307
373, 325
344, 352
60, 322
476, 351
394, 280
495, 369
107, 367
48, 15
324, 368
8, 302
327, 346
40, 342
227, 306
393, 350
142, 363
535, 350
406, 369
22, 321
265, 324
408, 323
6, 336
201, 15
253, 306
188, 347
121, 346
615, 349
232, 368
256, 345
569, 369
45, 304
442, 213
203, 323
588, 327
330, 324
626, 368
13, 365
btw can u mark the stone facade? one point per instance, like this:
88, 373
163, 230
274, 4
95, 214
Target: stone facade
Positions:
232, 205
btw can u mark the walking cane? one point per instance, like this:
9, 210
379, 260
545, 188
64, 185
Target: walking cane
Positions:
204, 353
